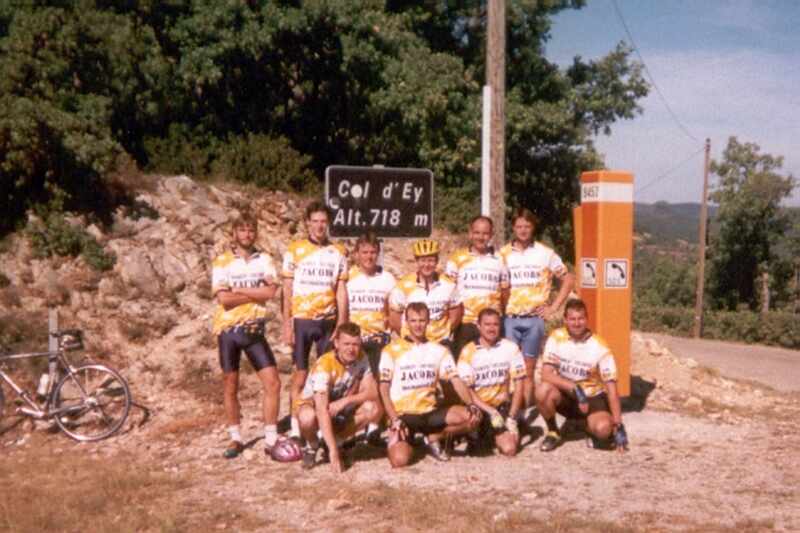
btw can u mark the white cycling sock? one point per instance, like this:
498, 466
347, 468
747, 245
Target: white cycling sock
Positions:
235, 433
295, 431
270, 434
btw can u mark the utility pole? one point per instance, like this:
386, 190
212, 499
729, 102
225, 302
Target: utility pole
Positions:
701, 250
496, 80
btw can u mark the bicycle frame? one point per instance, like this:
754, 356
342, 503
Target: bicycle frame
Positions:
35, 409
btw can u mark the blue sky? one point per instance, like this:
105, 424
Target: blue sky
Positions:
724, 68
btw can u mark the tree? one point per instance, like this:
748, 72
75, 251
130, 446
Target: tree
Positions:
360, 82
750, 220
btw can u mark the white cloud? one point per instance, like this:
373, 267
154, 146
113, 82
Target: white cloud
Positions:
752, 95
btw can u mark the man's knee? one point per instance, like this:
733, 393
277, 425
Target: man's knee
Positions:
307, 417
547, 394
507, 444
372, 411
601, 428
270, 380
400, 454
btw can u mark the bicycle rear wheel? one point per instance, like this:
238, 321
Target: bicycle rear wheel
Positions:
92, 403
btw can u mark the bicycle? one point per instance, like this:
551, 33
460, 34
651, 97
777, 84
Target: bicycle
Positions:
88, 403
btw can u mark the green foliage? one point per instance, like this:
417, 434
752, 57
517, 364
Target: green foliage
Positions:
53, 235
182, 151
750, 222
666, 279
454, 208
207, 88
265, 162
775, 328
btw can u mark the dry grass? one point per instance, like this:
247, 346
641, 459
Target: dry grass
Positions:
409, 508
185, 426
199, 379
72, 492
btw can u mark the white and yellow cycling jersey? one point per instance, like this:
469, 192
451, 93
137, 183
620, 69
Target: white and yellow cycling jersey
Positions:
230, 271
490, 370
479, 280
530, 272
589, 363
367, 299
413, 371
439, 296
314, 269
330, 375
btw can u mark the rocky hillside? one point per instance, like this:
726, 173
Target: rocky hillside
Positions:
150, 316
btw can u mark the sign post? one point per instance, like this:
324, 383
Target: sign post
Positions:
604, 258
391, 202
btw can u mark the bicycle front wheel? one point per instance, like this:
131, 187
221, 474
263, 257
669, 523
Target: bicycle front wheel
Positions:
92, 403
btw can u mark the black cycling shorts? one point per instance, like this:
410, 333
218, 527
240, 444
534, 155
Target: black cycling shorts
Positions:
372, 346
568, 407
233, 341
308, 332
427, 423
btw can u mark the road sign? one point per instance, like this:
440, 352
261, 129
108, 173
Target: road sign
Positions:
616, 271
392, 202
588, 272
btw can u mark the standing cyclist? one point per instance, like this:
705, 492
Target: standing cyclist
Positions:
243, 278
368, 289
314, 296
481, 278
532, 267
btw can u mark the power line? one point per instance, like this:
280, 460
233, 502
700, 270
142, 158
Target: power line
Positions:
649, 75
670, 171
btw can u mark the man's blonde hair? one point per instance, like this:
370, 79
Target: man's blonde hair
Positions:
245, 219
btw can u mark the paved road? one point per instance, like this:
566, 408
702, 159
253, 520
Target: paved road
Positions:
777, 367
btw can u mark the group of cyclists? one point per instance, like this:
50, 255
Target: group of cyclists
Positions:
438, 354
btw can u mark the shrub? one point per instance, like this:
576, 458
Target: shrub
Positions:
776, 328
183, 151
264, 161
455, 207
53, 235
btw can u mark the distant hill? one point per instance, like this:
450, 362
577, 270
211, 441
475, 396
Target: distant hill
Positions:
666, 222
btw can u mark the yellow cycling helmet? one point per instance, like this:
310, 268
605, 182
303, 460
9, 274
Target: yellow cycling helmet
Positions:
425, 247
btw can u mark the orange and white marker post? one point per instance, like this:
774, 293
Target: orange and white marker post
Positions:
604, 261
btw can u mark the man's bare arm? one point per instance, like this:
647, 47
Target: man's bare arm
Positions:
455, 314
229, 299
259, 294
566, 284
384, 387
395, 320
326, 427
551, 375
367, 390
463, 392
614, 402
341, 303
288, 327
517, 399
505, 293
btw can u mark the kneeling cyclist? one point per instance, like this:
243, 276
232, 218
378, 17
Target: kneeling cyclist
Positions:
339, 398
410, 370
489, 367
579, 382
